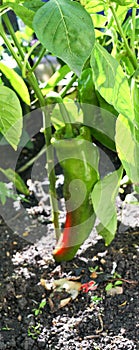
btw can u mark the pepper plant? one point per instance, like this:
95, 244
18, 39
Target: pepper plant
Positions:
97, 45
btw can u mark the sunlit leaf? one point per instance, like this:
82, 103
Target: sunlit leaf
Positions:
93, 6
10, 116
103, 199
66, 30
128, 147
22, 12
129, 3
17, 82
33, 5
111, 81
55, 79
16, 179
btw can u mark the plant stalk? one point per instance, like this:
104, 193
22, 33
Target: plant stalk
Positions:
46, 118
10, 47
130, 53
38, 60
68, 86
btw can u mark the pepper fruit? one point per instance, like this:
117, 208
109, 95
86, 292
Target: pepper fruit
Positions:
79, 158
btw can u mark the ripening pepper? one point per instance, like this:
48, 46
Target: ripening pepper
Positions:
78, 157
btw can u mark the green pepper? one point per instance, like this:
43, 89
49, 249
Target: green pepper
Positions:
79, 160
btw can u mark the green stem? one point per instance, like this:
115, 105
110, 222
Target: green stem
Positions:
31, 161
12, 33
46, 118
25, 63
30, 76
38, 60
68, 86
54, 97
131, 55
50, 167
10, 47
68, 125
132, 40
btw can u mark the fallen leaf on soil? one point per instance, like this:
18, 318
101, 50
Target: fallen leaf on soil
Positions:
56, 300
63, 284
114, 291
67, 287
64, 302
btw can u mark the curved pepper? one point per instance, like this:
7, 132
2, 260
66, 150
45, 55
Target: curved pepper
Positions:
79, 160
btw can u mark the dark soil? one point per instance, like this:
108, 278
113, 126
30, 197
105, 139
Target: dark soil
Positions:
110, 323
94, 319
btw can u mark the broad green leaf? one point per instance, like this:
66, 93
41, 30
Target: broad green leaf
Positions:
98, 33
17, 82
21, 11
135, 98
121, 12
33, 5
93, 6
128, 147
101, 122
106, 106
10, 116
103, 199
66, 30
127, 65
99, 20
16, 179
111, 81
86, 90
15, 1
108, 232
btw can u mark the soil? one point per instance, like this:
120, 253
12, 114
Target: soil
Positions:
34, 317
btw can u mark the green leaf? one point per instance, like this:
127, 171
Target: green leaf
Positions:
135, 98
121, 12
42, 304
10, 116
101, 122
111, 82
127, 27
99, 20
17, 82
75, 115
3, 192
55, 79
66, 30
33, 5
129, 3
118, 283
109, 232
93, 6
103, 199
128, 147
16, 179
109, 286
21, 11
86, 89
